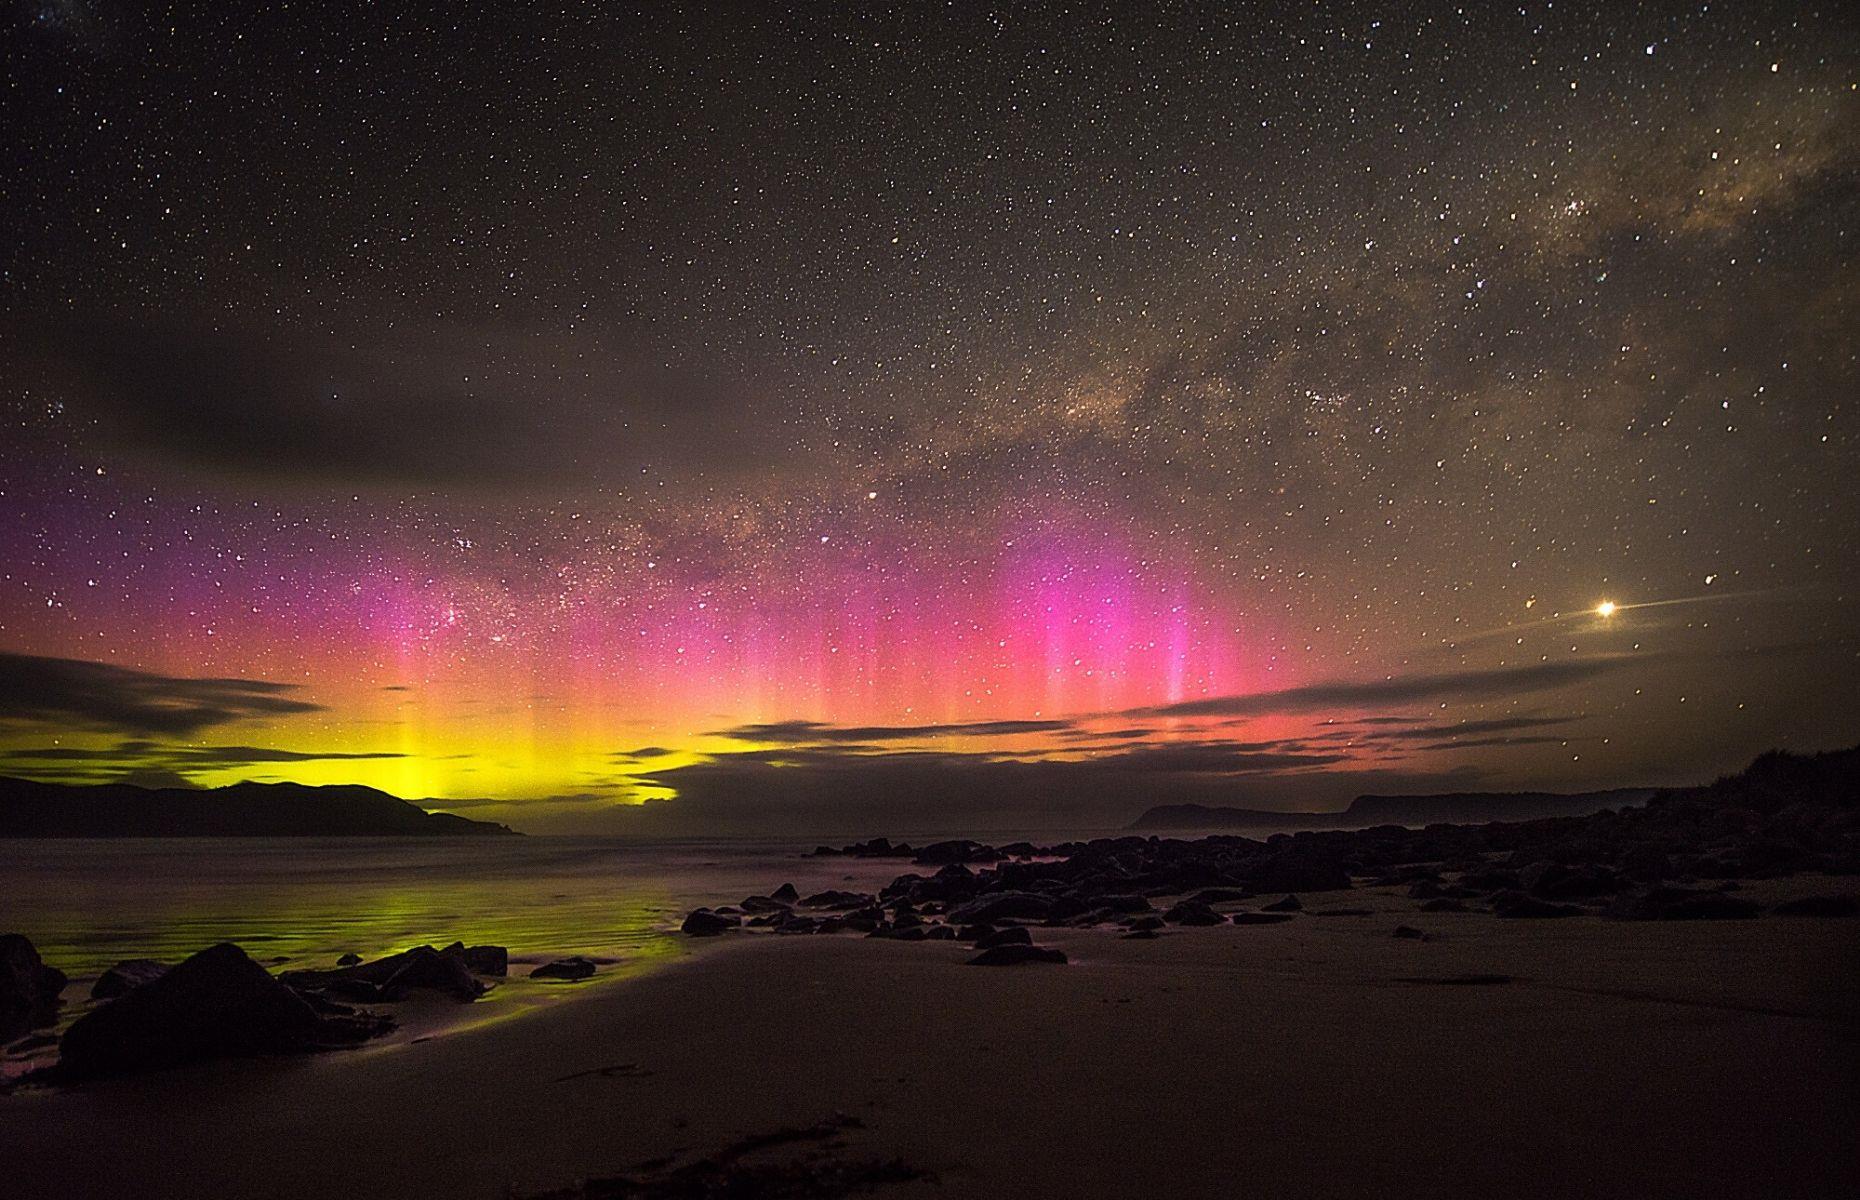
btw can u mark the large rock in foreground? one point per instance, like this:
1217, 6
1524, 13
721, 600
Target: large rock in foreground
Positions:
217, 1004
28, 988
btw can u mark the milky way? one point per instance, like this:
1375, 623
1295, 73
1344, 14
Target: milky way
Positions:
1044, 403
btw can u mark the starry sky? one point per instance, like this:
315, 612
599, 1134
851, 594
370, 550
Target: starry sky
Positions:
996, 416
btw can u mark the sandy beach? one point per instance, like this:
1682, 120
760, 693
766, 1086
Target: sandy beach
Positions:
1322, 1057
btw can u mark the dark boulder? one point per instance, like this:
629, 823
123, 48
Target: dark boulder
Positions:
569, 969
28, 988
216, 1004
1710, 906
1123, 903
957, 851
1221, 895
1260, 918
388, 979
704, 923
1014, 956
425, 967
349, 960
833, 899
1409, 933
1296, 872
786, 894
127, 976
763, 904
1002, 906
1287, 905
486, 960
1681, 904
1818, 906
1519, 905
1190, 912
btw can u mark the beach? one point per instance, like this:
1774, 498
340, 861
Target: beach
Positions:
1319, 1057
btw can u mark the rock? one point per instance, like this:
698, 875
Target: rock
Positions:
786, 894
1221, 895
704, 923
1001, 906
1520, 905
836, 900
958, 851
1681, 904
425, 967
1260, 918
941, 933
28, 988
486, 960
1013, 956
1445, 904
1818, 906
388, 979
571, 969
349, 960
216, 1004
763, 904
1710, 906
1124, 903
1190, 912
1294, 872
1150, 922
1017, 936
127, 976
1288, 905
1409, 932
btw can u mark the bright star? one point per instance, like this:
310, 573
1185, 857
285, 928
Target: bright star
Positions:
1606, 608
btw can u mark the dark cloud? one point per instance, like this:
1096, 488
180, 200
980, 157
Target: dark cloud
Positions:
137, 760
1486, 684
73, 693
641, 754
825, 790
1496, 741
795, 732
444, 409
1446, 733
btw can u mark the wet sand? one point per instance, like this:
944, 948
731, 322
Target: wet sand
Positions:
1314, 1058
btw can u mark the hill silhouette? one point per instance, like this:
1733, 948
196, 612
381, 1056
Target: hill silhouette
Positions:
1447, 808
29, 808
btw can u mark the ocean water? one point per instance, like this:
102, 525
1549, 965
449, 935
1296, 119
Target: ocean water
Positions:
303, 902
300, 902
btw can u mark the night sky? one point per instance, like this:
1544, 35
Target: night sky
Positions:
985, 414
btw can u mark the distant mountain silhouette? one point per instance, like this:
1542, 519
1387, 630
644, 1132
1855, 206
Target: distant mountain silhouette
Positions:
1458, 808
32, 809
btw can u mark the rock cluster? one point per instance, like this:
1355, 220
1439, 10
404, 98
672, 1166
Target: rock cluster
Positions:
219, 1003
1675, 858
216, 1004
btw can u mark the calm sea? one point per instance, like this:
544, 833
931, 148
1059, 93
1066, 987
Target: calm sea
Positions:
302, 902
